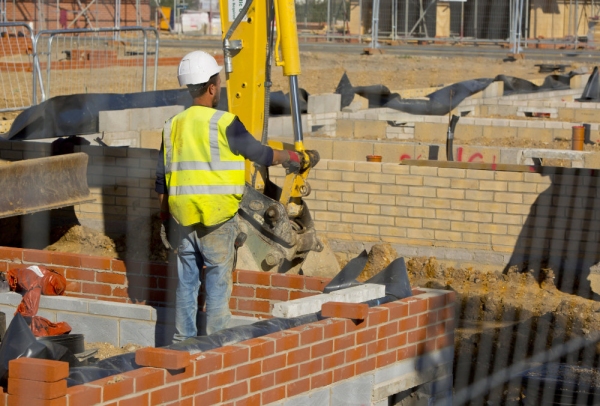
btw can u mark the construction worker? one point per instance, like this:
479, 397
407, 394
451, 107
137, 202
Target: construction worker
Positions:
200, 179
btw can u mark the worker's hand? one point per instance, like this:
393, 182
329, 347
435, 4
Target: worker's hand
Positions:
293, 162
165, 229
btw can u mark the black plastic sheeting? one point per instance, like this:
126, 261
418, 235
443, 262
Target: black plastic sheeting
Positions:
591, 92
561, 384
77, 114
19, 342
443, 101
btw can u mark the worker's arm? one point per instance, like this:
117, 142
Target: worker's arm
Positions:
160, 184
241, 142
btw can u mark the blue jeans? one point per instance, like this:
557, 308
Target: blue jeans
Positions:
213, 248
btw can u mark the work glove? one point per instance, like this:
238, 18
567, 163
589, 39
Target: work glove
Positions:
165, 230
293, 163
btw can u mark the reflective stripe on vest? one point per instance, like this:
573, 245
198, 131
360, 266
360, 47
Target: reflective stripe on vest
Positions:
205, 179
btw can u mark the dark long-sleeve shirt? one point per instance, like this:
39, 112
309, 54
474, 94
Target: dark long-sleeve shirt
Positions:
241, 142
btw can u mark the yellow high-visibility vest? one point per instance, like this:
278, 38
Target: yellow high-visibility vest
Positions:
205, 179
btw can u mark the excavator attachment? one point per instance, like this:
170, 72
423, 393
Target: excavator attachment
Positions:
34, 185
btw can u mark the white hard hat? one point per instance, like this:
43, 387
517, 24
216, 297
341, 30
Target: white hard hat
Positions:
196, 68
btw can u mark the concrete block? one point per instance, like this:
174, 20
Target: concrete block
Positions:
312, 304
10, 298
150, 139
579, 81
275, 126
113, 121
352, 150
430, 131
160, 115
121, 310
136, 332
586, 116
394, 153
122, 139
9, 311
324, 103
355, 391
495, 89
369, 129
325, 147
95, 328
319, 397
140, 119
64, 303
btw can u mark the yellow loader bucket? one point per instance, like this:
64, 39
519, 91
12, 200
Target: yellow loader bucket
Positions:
40, 184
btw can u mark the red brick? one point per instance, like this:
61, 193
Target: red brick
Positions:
273, 363
260, 306
259, 347
366, 336
444, 341
14, 400
446, 313
37, 389
273, 395
436, 330
155, 269
333, 328
345, 310
222, 378
397, 310
100, 263
417, 335
80, 275
114, 387
396, 341
71, 260
334, 360
321, 349
297, 294
286, 374
450, 297
254, 278
147, 378
356, 353
84, 395
310, 334
365, 366
142, 399
436, 302
120, 292
324, 379
377, 315
427, 319
234, 391
408, 324
11, 254
287, 281
112, 278
233, 355
73, 287
249, 401
315, 284
246, 371
344, 342
118, 266
193, 387
416, 306
377, 347
242, 291
430, 345
96, 289
285, 340
208, 362
343, 373
298, 387
272, 294
386, 359
311, 367
210, 398
262, 382
387, 330
38, 369
38, 257
162, 358
298, 356
405, 353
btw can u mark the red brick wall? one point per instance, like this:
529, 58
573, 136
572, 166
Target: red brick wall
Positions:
284, 364
101, 13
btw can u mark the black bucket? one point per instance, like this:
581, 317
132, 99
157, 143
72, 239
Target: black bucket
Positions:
74, 342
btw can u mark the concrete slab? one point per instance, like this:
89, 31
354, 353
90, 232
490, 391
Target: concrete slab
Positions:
355, 391
312, 304
121, 310
95, 328
70, 304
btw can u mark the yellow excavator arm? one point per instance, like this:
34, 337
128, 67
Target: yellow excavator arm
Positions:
256, 35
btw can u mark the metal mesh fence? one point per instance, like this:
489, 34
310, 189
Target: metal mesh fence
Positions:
16, 62
96, 61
